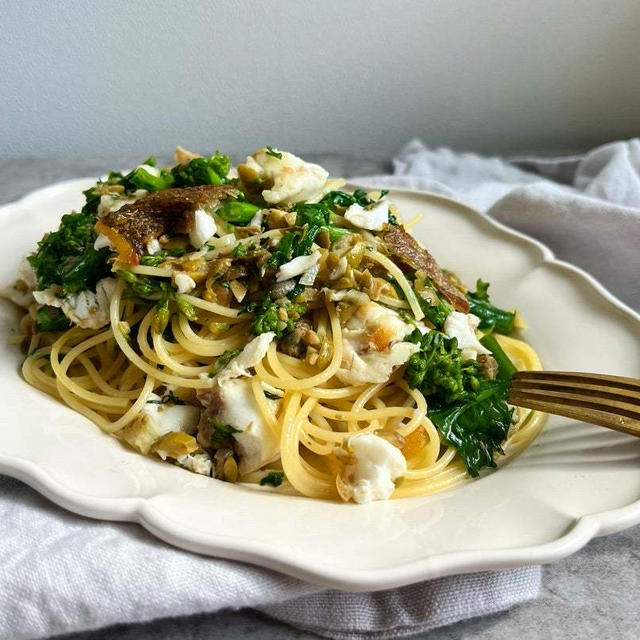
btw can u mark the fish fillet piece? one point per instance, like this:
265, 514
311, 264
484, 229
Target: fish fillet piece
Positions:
134, 225
406, 250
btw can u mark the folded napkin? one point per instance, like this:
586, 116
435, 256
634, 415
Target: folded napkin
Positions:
586, 209
63, 573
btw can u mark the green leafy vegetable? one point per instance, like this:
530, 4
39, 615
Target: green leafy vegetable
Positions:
146, 287
274, 478
274, 153
66, 257
471, 412
285, 249
240, 250
140, 286
436, 313
344, 200
147, 176
221, 432
506, 368
271, 396
161, 256
491, 317
237, 211
335, 233
317, 214
51, 319
478, 426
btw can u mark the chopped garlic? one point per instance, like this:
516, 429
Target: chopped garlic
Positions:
309, 276
256, 221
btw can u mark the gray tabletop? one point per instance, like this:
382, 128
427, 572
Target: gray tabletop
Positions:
592, 594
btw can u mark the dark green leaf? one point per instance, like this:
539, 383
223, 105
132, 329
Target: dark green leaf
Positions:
274, 478
51, 319
274, 153
221, 432
491, 317
478, 426
66, 257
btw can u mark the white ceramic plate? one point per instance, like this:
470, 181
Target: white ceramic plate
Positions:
575, 482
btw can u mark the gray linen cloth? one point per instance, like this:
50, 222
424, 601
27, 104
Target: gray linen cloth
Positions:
64, 573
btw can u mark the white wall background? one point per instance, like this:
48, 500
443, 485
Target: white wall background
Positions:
495, 76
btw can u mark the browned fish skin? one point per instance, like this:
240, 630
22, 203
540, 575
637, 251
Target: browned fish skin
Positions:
406, 250
134, 225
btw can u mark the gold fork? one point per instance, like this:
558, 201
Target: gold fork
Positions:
609, 401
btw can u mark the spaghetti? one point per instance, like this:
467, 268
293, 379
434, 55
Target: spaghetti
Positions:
282, 360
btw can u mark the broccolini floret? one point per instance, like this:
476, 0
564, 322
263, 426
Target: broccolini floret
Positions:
439, 371
470, 411
269, 316
202, 170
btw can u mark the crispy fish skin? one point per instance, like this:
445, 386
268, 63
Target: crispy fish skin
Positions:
406, 250
134, 225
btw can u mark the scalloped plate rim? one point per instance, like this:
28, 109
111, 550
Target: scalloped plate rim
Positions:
141, 510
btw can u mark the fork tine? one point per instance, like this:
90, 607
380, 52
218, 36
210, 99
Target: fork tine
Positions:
610, 401
618, 382
564, 386
594, 415
581, 399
